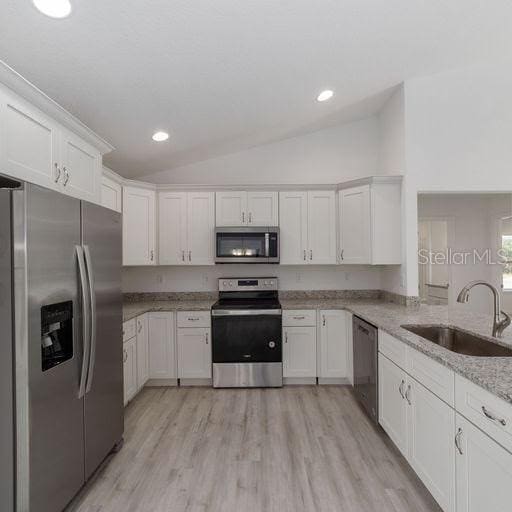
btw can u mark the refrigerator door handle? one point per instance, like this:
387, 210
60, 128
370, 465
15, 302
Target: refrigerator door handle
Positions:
86, 320
92, 303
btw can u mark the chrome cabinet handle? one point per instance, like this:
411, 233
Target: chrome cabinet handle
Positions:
401, 389
250, 217
206, 338
190, 319
286, 337
66, 176
323, 320
299, 317
243, 217
304, 254
341, 254
310, 254
189, 255
182, 255
408, 395
457, 441
57, 172
125, 355
152, 255
492, 417
140, 327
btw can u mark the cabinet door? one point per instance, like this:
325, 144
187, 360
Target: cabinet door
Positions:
333, 344
354, 225
81, 168
201, 228
430, 451
172, 228
129, 370
194, 353
262, 208
231, 208
293, 227
138, 226
299, 352
142, 351
392, 404
162, 358
28, 143
111, 194
484, 471
322, 227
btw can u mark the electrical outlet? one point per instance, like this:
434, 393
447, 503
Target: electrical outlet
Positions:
160, 279
347, 276
298, 277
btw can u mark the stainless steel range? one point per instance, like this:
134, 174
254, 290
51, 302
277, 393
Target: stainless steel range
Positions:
247, 334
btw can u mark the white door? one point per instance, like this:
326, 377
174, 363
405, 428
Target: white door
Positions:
321, 227
392, 403
293, 227
194, 353
231, 208
430, 431
354, 225
81, 168
28, 143
299, 352
200, 228
162, 358
111, 194
129, 369
142, 350
333, 344
172, 228
484, 471
262, 208
138, 226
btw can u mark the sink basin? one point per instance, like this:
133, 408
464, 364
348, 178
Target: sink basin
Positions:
459, 341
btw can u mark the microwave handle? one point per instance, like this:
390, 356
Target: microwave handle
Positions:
267, 245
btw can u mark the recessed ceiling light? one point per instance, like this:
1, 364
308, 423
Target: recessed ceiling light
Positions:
54, 8
325, 95
160, 136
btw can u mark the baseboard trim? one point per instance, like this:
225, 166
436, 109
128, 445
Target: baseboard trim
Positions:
195, 382
161, 383
299, 381
341, 381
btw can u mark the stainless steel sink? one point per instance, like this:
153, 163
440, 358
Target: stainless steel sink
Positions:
459, 341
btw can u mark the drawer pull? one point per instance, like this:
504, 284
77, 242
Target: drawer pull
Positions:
457, 441
125, 356
299, 317
193, 319
401, 389
492, 417
408, 395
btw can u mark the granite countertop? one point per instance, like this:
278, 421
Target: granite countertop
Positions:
492, 373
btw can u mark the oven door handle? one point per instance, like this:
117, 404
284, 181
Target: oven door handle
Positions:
246, 312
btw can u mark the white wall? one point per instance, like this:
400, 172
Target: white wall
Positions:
179, 279
327, 156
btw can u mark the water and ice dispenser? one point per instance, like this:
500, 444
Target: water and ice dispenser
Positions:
56, 334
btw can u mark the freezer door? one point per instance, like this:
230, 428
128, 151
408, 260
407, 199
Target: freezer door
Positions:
104, 420
54, 423
6, 354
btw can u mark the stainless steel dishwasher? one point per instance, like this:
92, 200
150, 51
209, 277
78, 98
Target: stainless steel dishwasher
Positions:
365, 365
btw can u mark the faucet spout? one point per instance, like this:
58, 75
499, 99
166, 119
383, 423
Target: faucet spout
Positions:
500, 322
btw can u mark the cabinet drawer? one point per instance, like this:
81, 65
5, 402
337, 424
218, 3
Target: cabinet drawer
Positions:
434, 376
299, 317
193, 319
129, 329
488, 412
393, 349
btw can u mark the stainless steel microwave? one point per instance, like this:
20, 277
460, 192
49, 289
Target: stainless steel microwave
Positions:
247, 245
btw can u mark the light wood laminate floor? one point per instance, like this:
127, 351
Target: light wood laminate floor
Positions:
296, 449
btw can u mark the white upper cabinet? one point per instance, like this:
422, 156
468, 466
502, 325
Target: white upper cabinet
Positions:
186, 228
370, 224
333, 346
80, 168
262, 208
138, 226
307, 225
241, 208
111, 194
37, 149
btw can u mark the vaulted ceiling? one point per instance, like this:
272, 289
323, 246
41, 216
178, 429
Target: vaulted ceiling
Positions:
225, 75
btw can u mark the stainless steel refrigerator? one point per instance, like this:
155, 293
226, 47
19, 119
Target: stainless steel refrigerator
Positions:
61, 368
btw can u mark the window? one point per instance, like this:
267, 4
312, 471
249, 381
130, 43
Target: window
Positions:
506, 246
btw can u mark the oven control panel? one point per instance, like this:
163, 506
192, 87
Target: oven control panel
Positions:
230, 284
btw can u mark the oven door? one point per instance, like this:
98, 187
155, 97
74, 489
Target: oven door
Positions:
246, 245
252, 336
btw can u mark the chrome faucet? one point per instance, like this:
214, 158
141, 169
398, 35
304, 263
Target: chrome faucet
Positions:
500, 323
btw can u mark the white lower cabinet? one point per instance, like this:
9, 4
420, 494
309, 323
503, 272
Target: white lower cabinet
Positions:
142, 351
162, 354
130, 369
484, 471
299, 352
194, 353
333, 345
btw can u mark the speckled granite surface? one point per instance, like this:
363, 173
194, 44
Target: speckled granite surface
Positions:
136, 308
